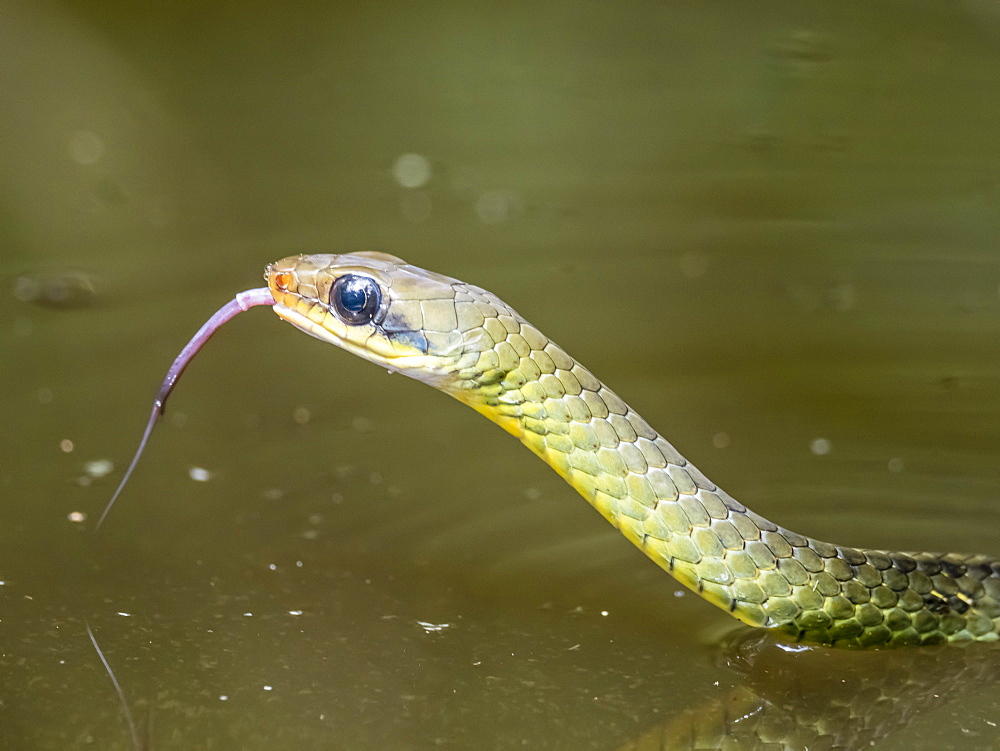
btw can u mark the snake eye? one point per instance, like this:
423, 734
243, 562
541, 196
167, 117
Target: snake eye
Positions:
356, 299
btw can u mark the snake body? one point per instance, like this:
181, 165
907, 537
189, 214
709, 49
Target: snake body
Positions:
467, 342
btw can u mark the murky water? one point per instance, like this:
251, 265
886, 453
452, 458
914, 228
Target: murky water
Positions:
774, 228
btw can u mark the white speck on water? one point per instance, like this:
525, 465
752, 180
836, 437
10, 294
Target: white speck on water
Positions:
793, 647
248, 615
199, 474
433, 628
298, 564
295, 612
223, 697
99, 468
66, 445
272, 566
124, 615
820, 446
412, 170
268, 688
77, 516
679, 593
605, 613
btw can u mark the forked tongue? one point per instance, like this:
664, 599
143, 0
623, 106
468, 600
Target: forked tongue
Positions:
243, 301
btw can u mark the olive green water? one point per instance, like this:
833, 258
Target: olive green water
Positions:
774, 228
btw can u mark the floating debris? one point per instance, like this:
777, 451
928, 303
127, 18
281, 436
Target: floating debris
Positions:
199, 474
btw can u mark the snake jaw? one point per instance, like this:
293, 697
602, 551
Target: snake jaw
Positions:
391, 354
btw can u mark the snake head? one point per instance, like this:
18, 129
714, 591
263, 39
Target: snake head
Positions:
377, 306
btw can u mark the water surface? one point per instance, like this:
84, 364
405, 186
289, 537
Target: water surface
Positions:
772, 228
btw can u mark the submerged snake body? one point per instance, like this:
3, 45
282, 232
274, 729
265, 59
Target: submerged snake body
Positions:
468, 343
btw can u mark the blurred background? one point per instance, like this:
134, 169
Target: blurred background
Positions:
773, 228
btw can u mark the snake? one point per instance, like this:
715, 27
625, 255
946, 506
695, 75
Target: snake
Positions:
468, 343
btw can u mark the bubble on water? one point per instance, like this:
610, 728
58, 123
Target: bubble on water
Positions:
412, 170
820, 446
77, 516
99, 468
66, 445
199, 474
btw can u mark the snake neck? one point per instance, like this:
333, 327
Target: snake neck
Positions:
760, 573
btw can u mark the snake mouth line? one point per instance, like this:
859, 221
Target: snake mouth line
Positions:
373, 348
309, 326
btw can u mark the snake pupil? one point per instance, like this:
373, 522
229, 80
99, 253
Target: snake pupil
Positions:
356, 299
